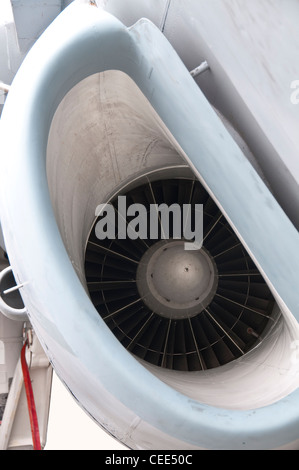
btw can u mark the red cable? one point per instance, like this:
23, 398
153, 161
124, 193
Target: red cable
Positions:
30, 401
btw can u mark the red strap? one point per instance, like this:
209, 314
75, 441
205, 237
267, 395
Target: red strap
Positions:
30, 401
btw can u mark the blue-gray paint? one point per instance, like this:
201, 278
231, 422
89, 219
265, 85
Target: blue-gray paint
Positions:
71, 49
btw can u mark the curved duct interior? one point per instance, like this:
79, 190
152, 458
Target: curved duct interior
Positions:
106, 140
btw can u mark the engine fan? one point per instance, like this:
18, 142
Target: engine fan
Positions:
175, 308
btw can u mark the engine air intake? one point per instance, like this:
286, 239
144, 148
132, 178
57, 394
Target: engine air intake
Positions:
174, 308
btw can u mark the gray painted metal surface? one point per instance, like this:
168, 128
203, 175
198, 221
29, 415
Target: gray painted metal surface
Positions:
252, 50
82, 42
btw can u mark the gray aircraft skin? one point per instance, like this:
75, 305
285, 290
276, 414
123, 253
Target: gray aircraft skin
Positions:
154, 99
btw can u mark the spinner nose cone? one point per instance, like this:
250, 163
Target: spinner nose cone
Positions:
175, 282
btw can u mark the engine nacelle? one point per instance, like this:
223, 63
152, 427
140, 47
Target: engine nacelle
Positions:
98, 110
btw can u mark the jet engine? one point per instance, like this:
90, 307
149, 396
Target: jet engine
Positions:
164, 347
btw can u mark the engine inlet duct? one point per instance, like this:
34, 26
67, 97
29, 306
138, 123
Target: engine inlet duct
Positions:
178, 309
160, 360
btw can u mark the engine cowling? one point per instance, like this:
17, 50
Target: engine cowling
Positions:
109, 111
